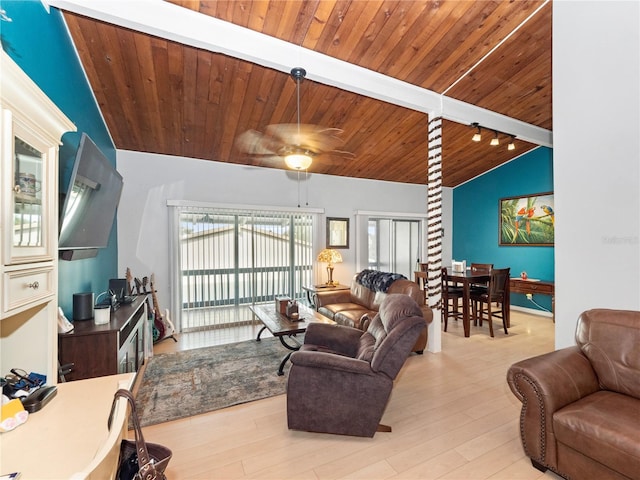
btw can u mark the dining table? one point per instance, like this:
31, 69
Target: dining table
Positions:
467, 278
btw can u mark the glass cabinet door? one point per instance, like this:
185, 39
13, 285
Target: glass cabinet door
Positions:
27, 195
28, 208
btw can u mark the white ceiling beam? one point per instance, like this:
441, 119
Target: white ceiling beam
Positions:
182, 25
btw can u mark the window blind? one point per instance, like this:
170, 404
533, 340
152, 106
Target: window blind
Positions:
229, 259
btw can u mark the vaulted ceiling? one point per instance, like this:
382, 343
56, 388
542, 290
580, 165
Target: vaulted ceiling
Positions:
469, 61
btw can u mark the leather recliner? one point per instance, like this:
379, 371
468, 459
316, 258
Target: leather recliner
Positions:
581, 405
341, 378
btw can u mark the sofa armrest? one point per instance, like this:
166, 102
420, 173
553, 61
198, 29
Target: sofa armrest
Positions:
337, 338
331, 297
427, 313
545, 384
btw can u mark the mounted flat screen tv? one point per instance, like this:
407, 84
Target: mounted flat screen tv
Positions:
89, 207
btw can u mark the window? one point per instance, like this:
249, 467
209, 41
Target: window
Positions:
393, 245
229, 259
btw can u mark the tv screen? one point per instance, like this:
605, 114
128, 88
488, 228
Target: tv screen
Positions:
91, 201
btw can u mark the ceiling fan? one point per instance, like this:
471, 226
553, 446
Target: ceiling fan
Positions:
294, 143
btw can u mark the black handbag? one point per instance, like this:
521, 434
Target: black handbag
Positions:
139, 460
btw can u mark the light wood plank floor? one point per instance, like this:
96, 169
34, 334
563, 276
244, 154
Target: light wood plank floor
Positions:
452, 413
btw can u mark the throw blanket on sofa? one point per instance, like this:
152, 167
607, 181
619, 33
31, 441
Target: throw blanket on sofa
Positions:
377, 281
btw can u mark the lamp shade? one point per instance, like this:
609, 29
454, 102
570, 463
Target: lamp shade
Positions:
329, 255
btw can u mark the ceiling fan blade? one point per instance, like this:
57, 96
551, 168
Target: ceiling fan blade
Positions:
312, 137
334, 157
274, 161
253, 142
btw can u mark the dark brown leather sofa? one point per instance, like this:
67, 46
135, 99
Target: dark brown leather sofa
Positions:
581, 405
358, 305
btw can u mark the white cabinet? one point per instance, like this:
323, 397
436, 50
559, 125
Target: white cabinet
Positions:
31, 127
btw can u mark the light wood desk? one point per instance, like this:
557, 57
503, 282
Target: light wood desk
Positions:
64, 437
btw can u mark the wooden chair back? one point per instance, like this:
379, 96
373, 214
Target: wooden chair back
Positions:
498, 284
481, 267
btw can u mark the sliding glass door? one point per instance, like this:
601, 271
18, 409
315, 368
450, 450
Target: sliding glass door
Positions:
230, 259
394, 245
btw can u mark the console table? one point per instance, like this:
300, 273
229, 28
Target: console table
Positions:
534, 287
109, 349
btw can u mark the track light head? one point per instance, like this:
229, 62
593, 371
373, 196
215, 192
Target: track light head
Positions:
478, 135
495, 140
511, 146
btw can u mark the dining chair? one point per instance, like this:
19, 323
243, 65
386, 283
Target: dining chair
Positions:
453, 293
480, 268
422, 280
496, 293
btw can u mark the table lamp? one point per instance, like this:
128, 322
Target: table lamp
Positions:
330, 256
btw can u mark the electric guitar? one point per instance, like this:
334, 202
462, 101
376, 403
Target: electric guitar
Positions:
129, 278
163, 324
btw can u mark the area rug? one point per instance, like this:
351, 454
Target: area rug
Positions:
181, 384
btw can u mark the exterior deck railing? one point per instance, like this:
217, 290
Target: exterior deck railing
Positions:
221, 297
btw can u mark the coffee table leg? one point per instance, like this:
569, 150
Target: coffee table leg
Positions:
283, 363
260, 333
293, 348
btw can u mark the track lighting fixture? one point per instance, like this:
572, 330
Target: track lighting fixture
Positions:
478, 135
495, 140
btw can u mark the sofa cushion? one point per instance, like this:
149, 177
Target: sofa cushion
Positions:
609, 339
333, 308
351, 318
348, 314
361, 295
603, 426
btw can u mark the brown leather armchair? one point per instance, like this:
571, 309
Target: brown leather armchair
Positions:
581, 405
341, 378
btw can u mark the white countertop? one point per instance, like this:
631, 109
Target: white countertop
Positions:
63, 437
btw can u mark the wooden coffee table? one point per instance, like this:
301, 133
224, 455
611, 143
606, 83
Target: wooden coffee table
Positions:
280, 326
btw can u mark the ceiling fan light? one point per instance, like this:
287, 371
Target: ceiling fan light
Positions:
495, 140
298, 161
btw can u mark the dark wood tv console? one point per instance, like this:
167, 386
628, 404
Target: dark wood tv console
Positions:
115, 347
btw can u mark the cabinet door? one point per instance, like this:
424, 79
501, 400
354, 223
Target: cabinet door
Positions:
28, 162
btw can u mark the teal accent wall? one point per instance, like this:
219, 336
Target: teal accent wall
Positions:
40, 44
476, 219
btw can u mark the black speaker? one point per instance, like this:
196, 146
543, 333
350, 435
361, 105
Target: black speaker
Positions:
83, 306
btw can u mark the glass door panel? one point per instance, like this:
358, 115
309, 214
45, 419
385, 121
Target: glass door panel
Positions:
27, 193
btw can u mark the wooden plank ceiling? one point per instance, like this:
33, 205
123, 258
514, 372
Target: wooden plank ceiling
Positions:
164, 97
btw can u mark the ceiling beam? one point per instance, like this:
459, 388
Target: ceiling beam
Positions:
182, 25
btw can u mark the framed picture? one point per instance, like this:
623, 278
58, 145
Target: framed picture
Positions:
528, 220
337, 232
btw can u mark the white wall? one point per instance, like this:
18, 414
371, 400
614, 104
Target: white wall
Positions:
596, 124
151, 180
